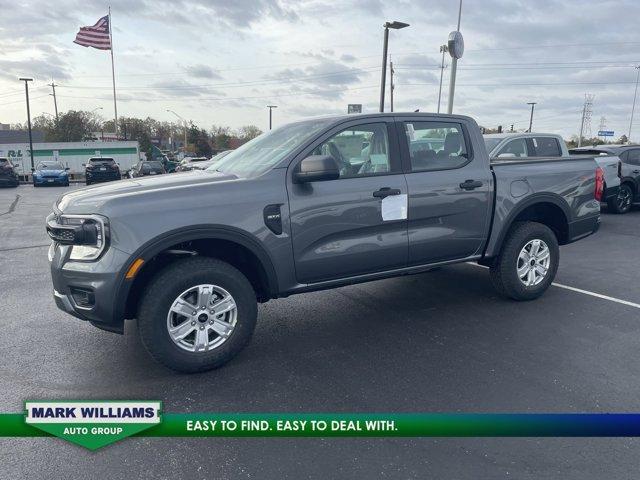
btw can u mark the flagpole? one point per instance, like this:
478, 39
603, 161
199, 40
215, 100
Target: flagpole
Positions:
113, 76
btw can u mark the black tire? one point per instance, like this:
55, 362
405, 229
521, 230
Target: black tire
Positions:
503, 272
167, 285
621, 203
87, 183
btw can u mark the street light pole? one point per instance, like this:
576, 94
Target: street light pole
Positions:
271, 107
634, 103
454, 69
26, 90
184, 122
533, 104
444, 49
385, 47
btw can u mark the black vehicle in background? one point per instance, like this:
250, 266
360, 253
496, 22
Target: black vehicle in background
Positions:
629, 175
147, 167
8, 175
101, 169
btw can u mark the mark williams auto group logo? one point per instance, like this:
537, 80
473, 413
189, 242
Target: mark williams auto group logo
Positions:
93, 424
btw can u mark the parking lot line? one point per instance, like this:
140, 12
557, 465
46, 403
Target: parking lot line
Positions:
597, 295
579, 290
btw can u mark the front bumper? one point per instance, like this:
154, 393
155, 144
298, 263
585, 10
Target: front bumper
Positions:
9, 180
101, 279
50, 180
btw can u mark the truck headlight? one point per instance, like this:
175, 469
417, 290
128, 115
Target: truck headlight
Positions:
87, 234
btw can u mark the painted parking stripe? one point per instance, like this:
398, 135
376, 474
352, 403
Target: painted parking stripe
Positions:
584, 292
597, 295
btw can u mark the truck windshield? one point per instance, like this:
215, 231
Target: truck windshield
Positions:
264, 152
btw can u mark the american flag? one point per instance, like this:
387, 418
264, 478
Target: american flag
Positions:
96, 36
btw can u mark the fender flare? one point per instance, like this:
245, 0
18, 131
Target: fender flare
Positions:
534, 199
215, 232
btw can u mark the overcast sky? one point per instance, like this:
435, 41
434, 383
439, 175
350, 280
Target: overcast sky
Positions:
221, 62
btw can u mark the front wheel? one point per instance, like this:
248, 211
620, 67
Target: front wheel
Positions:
527, 263
197, 314
621, 203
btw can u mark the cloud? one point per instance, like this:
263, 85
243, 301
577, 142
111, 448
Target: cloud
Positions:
202, 71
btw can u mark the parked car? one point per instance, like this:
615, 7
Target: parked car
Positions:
190, 163
629, 172
101, 169
212, 161
8, 175
301, 208
50, 172
146, 167
528, 145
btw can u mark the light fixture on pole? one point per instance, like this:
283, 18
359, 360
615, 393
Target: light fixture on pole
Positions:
633, 108
95, 109
533, 104
455, 45
385, 47
26, 91
271, 107
184, 122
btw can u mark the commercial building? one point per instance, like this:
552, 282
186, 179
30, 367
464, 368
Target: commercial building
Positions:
71, 154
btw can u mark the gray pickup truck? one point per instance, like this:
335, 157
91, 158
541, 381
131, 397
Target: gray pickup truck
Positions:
312, 205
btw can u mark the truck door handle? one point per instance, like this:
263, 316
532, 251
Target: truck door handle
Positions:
470, 184
635, 171
385, 192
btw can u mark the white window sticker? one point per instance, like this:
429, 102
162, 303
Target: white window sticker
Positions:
394, 207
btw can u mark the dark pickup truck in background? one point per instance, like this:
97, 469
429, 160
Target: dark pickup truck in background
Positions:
312, 205
629, 172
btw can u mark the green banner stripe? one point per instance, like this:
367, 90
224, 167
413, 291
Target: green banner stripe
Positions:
371, 425
86, 151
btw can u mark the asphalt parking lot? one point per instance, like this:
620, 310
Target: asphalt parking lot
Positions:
436, 342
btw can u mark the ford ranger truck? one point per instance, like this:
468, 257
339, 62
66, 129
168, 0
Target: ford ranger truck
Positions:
312, 205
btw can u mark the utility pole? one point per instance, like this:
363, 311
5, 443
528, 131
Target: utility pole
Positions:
633, 108
55, 101
391, 71
533, 104
184, 123
271, 107
385, 48
444, 49
26, 90
456, 44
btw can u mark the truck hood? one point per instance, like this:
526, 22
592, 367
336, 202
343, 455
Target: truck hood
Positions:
92, 199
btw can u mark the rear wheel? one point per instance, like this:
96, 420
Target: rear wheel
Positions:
197, 314
621, 203
527, 263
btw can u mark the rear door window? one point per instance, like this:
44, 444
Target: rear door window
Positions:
436, 145
547, 147
515, 148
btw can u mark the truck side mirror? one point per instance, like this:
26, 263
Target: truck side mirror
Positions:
317, 168
67, 169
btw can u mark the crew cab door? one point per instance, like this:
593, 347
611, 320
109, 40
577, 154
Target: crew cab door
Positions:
450, 190
355, 224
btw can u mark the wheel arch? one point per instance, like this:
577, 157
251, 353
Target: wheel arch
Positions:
221, 242
549, 209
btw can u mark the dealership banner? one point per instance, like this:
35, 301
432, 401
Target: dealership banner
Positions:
94, 424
